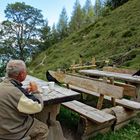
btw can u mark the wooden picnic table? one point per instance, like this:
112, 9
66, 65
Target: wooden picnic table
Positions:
51, 109
128, 78
117, 76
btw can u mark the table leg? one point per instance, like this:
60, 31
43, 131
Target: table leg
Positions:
137, 98
138, 92
48, 115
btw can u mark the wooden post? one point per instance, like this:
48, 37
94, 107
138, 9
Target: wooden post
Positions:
100, 101
67, 85
73, 65
138, 92
80, 61
112, 99
111, 80
93, 61
107, 62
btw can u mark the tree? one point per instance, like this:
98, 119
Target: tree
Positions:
21, 29
77, 17
88, 12
54, 34
98, 8
49, 37
45, 36
115, 3
62, 26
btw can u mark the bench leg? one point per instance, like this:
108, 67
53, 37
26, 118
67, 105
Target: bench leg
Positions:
138, 92
113, 101
87, 128
100, 101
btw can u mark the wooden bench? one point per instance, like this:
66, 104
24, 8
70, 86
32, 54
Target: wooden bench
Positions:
119, 70
79, 66
96, 86
123, 102
129, 90
91, 113
93, 120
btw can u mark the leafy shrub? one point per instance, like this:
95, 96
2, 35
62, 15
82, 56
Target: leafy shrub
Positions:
127, 33
115, 3
96, 35
112, 33
2, 70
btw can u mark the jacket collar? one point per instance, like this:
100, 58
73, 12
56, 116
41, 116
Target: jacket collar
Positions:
13, 81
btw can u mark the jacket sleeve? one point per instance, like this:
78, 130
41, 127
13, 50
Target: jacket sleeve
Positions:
29, 106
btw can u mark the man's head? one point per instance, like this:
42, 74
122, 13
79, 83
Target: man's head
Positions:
16, 69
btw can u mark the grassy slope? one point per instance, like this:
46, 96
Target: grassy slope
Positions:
116, 36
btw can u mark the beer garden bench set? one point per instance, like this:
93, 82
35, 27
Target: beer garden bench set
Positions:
97, 119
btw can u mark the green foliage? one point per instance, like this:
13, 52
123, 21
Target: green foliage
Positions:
68, 118
98, 8
62, 26
45, 36
76, 21
129, 132
127, 33
2, 70
21, 30
115, 3
88, 10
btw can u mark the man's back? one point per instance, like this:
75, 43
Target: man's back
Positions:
13, 124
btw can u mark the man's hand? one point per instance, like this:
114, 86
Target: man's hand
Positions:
32, 87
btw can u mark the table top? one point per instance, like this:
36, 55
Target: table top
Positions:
57, 95
119, 76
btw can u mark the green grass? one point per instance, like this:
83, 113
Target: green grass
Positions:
129, 132
68, 118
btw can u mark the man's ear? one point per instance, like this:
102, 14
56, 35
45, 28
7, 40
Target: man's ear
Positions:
20, 75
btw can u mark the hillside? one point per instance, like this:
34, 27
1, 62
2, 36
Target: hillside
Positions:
115, 37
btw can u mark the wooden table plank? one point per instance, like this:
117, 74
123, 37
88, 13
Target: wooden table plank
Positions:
57, 95
119, 76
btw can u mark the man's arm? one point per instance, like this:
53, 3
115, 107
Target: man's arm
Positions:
29, 106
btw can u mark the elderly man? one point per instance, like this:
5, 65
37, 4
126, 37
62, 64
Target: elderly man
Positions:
17, 105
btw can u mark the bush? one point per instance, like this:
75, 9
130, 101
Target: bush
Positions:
112, 33
115, 3
127, 33
96, 35
2, 70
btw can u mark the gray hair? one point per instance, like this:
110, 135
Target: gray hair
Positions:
14, 67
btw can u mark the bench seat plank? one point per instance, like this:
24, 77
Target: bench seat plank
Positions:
123, 102
91, 113
128, 104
